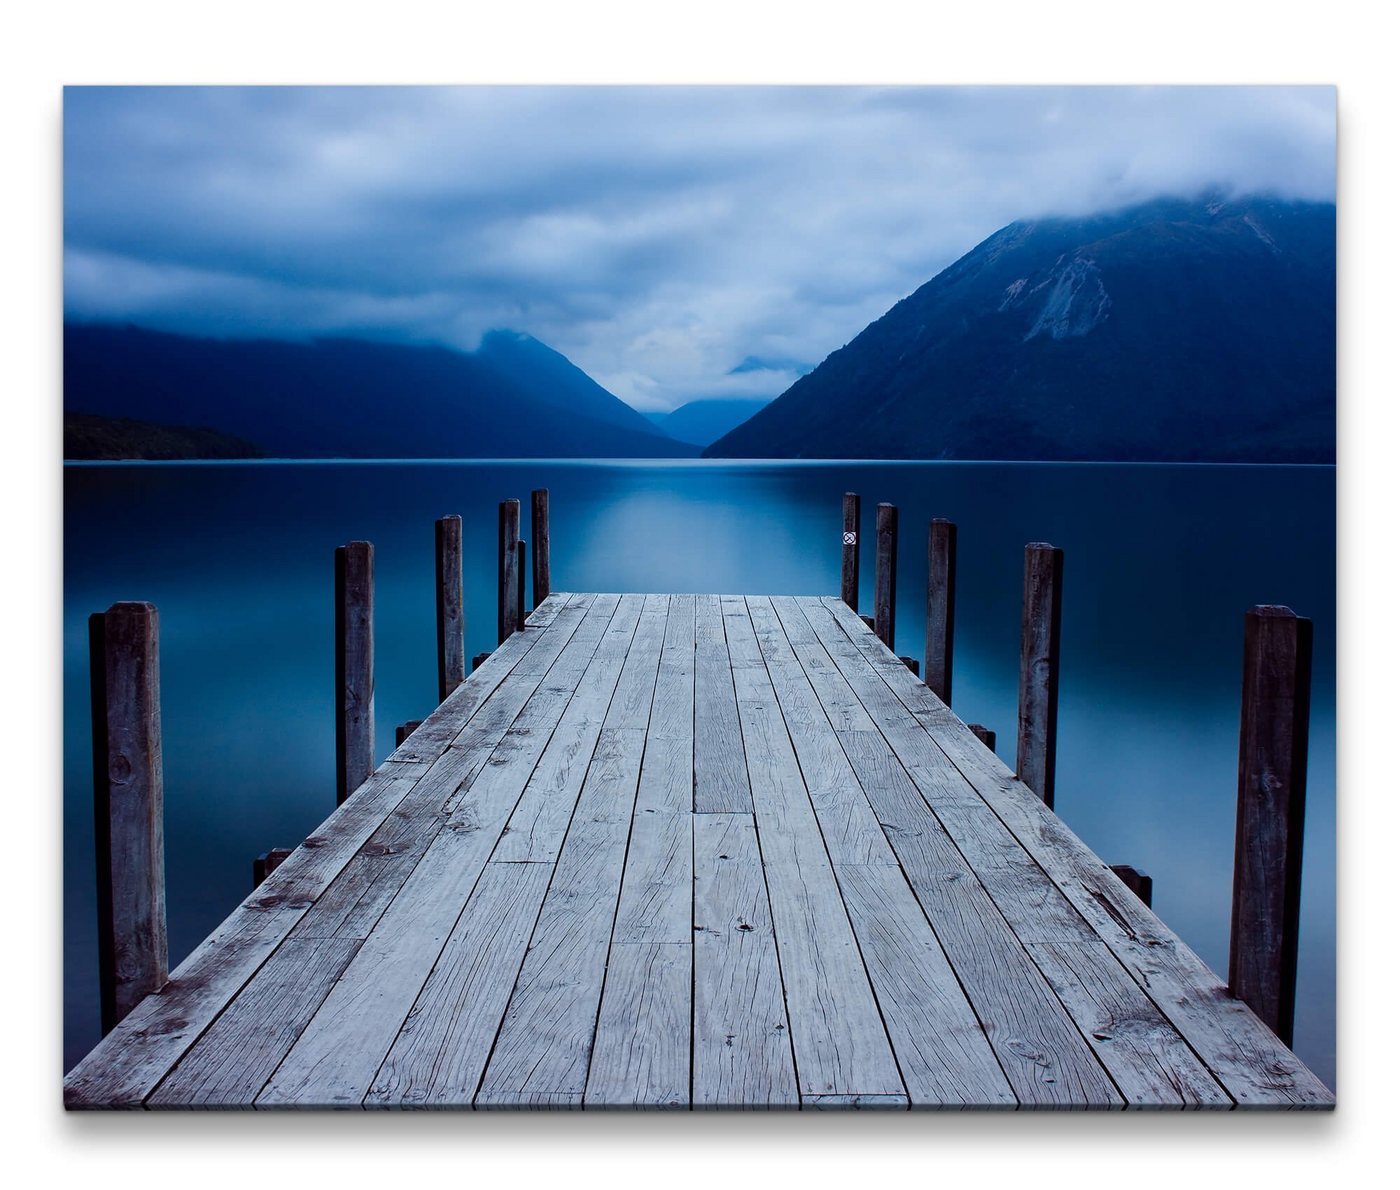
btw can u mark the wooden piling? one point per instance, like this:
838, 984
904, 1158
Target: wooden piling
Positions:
911, 665
520, 584
886, 559
354, 667
507, 568
1040, 669
539, 538
985, 734
404, 730
1139, 882
451, 627
1273, 768
938, 630
850, 551
267, 863
477, 661
129, 806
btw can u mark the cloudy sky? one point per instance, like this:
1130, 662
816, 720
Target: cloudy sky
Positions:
675, 242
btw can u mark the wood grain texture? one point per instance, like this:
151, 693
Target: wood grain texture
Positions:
1273, 777
939, 607
129, 807
721, 778
743, 1043
451, 619
508, 576
1040, 669
886, 571
521, 908
539, 543
354, 667
1251, 1063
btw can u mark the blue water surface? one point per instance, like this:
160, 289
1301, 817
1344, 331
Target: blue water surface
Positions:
1161, 563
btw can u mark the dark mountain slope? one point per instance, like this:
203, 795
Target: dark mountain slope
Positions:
701, 422
1172, 331
335, 398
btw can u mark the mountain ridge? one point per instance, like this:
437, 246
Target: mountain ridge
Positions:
1172, 331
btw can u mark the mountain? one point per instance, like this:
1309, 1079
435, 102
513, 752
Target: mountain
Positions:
550, 377
89, 437
349, 398
1174, 330
701, 422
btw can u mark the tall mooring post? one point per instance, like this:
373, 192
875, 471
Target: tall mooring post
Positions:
938, 628
850, 551
1273, 772
886, 559
507, 569
539, 541
1040, 669
129, 805
354, 667
451, 626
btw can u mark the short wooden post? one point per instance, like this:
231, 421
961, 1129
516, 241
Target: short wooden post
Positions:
129, 806
354, 667
477, 660
539, 538
1273, 773
886, 557
850, 551
520, 584
1139, 882
267, 863
451, 628
938, 631
507, 568
404, 730
869, 622
1040, 669
911, 665
985, 734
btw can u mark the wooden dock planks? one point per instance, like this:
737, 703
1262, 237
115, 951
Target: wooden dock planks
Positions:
692, 851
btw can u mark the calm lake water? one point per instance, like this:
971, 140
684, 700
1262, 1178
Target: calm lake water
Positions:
1161, 563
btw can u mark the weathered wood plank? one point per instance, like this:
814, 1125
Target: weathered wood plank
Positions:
641, 1055
743, 1045
721, 779
1146, 1056
536, 828
886, 571
354, 667
850, 550
356, 900
335, 1058
838, 1037
1040, 669
451, 621
943, 1053
1273, 777
1244, 1055
848, 824
940, 604
129, 807
439, 1054
539, 543
127, 1064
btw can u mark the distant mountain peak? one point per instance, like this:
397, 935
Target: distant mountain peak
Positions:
1192, 329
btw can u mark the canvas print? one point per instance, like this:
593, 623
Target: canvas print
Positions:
699, 597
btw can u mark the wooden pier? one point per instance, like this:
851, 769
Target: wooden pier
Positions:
693, 851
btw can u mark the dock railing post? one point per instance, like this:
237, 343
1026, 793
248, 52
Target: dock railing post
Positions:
886, 558
1273, 770
1139, 882
1040, 669
354, 667
507, 568
451, 634
520, 584
938, 632
267, 863
850, 551
129, 806
539, 543
985, 734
